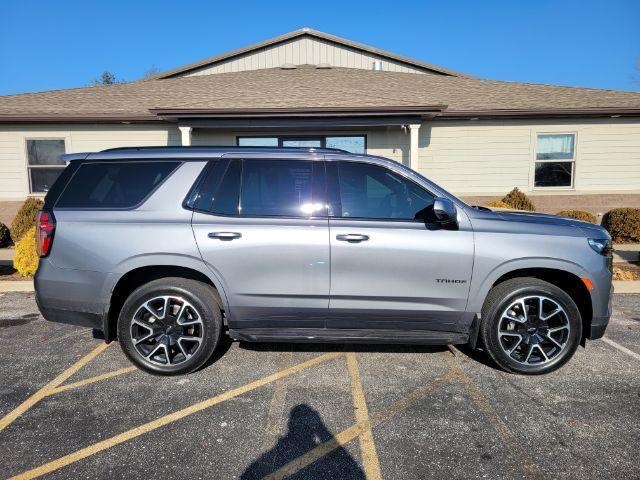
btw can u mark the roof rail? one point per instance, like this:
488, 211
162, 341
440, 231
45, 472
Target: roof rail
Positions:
228, 147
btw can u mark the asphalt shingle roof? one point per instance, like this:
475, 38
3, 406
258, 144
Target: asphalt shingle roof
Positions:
308, 87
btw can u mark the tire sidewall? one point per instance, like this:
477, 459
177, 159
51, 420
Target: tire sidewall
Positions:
492, 341
211, 325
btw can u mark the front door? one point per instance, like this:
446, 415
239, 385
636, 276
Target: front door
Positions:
388, 270
256, 230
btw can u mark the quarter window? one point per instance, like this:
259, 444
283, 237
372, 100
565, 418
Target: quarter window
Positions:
555, 160
372, 191
44, 163
114, 185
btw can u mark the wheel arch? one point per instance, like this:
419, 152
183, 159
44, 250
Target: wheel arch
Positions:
565, 279
140, 275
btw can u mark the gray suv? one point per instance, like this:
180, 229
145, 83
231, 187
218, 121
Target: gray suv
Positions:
169, 249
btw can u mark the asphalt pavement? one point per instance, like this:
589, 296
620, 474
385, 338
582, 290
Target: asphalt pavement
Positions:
70, 407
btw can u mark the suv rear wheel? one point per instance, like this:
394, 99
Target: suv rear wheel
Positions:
530, 326
170, 326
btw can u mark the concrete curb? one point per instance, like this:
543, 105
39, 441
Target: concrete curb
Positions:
16, 286
631, 286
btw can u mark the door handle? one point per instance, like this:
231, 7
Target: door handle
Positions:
352, 237
225, 235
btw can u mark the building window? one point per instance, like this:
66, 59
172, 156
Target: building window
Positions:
350, 143
555, 160
44, 163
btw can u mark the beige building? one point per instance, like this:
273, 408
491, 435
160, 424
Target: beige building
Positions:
566, 147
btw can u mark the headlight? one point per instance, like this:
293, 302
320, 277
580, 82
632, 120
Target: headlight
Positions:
600, 245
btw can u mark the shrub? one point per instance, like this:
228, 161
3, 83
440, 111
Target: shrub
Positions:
26, 259
579, 215
623, 224
5, 235
498, 204
26, 217
518, 200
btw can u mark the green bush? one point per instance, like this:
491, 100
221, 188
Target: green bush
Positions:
5, 235
498, 204
579, 215
623, 224
26, 259
518, 200
26, 218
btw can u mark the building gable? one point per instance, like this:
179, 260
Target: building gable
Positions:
306, 47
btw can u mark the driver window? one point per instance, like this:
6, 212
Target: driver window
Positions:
372, 191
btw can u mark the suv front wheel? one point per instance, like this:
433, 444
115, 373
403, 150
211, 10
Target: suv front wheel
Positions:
530, 326
170, 326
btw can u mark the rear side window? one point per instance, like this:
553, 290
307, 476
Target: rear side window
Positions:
264, 188
114, 184
277, 188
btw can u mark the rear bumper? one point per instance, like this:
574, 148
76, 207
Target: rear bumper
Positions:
70, 296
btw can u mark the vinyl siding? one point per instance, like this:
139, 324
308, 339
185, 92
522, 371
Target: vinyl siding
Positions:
303, 51
465, 157
492, 157
14, 182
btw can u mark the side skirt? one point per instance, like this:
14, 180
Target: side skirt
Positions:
322, 335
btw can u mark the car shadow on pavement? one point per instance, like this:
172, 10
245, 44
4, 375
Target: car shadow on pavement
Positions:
306, 430
477, 355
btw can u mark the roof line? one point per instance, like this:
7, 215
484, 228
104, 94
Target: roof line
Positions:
289, 112
312, 33
544, 112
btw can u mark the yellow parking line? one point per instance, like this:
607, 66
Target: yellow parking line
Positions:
367, 445
45, 391
87, 381
483, 404
167, 419
358, 429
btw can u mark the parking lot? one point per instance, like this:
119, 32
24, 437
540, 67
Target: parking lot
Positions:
71, 407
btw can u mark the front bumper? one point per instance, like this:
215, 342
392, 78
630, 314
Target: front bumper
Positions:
599, 322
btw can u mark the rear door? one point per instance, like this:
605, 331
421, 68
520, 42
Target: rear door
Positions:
389, 270
261, 227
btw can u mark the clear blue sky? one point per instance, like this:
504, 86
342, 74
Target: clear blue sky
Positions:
61, 44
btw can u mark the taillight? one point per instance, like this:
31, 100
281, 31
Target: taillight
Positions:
45, 228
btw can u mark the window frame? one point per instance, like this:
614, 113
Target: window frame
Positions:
318, 176
321, 137
179, 163
29, 167
573, 161
333, 191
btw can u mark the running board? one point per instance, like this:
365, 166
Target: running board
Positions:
337, 335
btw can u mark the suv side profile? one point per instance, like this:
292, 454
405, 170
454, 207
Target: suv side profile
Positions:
168, 249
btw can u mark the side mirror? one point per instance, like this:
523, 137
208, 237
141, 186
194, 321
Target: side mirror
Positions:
445, 212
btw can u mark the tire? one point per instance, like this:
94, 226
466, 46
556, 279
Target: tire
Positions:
173, 344
541, 343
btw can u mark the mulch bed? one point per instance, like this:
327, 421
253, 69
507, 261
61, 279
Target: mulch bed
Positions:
626, 271
7, 272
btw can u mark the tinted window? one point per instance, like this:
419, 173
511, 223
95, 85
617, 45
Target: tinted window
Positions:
114, 185
278, 188
210, 184
371, 191
225, 200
